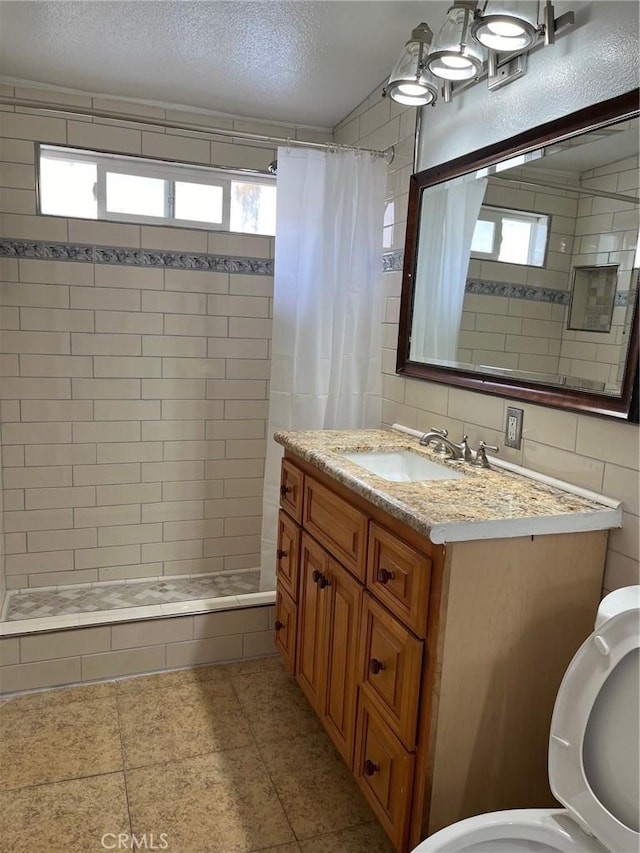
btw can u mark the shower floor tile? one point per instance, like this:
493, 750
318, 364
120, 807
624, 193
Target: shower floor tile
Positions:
37, 604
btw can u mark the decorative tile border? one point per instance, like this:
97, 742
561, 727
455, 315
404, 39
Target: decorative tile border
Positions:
200, 262
517, 291
533, 294
134, 257
393, 261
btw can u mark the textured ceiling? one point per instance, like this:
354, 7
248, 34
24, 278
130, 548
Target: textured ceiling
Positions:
304, 61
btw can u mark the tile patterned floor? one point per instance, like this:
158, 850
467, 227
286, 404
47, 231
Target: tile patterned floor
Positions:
221, 759
36, 604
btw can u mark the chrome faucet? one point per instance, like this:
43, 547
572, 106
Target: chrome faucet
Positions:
456, 451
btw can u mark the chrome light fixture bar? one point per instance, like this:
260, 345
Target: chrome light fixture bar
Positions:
504, 31
409, 83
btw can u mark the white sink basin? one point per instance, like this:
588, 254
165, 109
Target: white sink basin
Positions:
401, 466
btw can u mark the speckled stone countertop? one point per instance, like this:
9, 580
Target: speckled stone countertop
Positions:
484, 504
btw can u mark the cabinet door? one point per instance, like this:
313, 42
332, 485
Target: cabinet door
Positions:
285, 628
384, 770
344, 606
312, 636
291, 480
287, 554
390, 669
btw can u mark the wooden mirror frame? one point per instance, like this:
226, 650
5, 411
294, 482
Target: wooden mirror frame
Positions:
625, 406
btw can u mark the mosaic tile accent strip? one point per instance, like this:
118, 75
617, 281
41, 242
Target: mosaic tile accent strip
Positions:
135, 257
517, 291
84, 598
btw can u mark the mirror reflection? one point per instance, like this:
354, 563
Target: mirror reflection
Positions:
529, 267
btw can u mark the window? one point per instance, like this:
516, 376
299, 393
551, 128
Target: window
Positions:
510, 236
91, 185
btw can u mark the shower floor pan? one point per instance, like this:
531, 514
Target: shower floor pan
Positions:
115, 601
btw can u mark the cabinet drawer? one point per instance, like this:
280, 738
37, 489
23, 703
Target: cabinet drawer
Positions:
384, 771
285, 628
337, 525
390, 669
288, 554
399, 577
291, 479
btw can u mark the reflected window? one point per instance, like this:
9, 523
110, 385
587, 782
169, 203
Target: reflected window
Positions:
510, 236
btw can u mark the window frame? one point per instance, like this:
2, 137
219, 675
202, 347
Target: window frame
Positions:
496, 215
169, 171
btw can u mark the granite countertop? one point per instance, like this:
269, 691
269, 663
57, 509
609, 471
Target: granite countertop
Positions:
484, 504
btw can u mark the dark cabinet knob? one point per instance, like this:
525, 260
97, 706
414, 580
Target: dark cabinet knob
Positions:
284, 490
324, 581
279, 625
370, 767
315, 577
280, 553
376, 666
384, 576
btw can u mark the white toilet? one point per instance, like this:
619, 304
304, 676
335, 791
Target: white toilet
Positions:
594, 755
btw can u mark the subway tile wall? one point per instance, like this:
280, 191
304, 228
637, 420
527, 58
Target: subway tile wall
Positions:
114, 650
600, 454
133, 398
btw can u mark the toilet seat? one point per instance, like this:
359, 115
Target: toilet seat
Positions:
513, 831
585, 742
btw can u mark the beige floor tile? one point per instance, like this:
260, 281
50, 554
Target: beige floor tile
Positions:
217, 803
317, 802
61, 741
369, 838
178, 678
164, 725
64, 817
258, 666
303, 753
286, 848
275, 706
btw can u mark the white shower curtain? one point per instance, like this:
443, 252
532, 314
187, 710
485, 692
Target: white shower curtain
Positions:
447, 221
327, 306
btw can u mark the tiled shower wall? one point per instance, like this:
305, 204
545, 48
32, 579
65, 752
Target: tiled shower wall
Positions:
512, 332
596, 453
134, 397
606, 233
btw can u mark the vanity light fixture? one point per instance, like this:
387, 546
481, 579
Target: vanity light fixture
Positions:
409, 83
487, 40
507, 27
454, 54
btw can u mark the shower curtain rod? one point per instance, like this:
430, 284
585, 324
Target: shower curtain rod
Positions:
388, 153
568, 188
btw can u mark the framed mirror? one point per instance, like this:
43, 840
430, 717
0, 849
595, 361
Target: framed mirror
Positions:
521, 266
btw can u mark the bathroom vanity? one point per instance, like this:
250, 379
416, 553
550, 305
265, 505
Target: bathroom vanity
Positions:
429, 623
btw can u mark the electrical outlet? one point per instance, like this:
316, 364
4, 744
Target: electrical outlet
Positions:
513, 428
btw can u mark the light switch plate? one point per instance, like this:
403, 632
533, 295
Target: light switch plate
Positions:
513, 428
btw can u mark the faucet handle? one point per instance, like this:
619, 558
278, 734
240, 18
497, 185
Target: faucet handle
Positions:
439, 447
481, 456
467, 453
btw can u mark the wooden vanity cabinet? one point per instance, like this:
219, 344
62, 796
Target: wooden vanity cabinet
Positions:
433, 668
